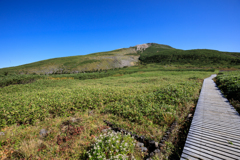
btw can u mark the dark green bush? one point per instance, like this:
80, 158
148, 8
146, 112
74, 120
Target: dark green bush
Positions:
229, 83
196, 57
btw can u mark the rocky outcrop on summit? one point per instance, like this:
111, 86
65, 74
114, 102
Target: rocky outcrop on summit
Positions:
141, 47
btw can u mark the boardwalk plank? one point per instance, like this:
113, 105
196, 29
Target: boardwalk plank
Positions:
227, 125
213, 148
216, 128
218, 132
207, 151
198, 152
214, 138
191, 157
229, 148
206, 122
210, 125
217, 135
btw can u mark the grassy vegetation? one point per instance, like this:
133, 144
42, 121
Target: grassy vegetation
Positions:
229, 84
203, 58
17, 79
112, 143
162, 54
144, 102
11, 79
72, 64
22, 79
144, 99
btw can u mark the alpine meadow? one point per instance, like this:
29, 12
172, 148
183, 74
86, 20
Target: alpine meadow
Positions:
129, 103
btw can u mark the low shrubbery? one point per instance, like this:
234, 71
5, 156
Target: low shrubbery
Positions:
196, 57
28, 78
158, 107
23, 79
229, 84
112, 146
17, 79
144, 103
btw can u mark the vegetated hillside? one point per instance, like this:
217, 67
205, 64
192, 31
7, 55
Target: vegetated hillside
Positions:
145, 53
91, 62
76, 64
195, 57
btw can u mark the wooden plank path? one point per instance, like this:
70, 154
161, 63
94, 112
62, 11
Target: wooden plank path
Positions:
215, 129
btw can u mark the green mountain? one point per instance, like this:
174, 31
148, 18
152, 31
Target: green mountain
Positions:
77, 64
203, 58
144, 53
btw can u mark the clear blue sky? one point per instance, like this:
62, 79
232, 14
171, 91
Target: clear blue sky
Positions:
34, 30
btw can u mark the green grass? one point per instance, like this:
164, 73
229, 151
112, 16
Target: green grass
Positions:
22, 79
164, 55
195, 58
90, 62
17, 79
144, 99
229, 84
144, 102
13, 79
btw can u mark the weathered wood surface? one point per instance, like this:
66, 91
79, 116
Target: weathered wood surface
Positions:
215, 129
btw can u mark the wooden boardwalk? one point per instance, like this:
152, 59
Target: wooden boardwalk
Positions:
215, 129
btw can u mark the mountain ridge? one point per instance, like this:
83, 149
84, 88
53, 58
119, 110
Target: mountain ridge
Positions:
125, 57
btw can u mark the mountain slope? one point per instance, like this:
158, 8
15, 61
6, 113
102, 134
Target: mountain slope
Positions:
75, 64
145, 53
195, 57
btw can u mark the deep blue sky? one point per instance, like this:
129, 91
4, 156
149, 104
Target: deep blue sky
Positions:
33, 30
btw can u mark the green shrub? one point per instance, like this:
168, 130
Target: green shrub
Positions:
195, 57
229, 83
112, 146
